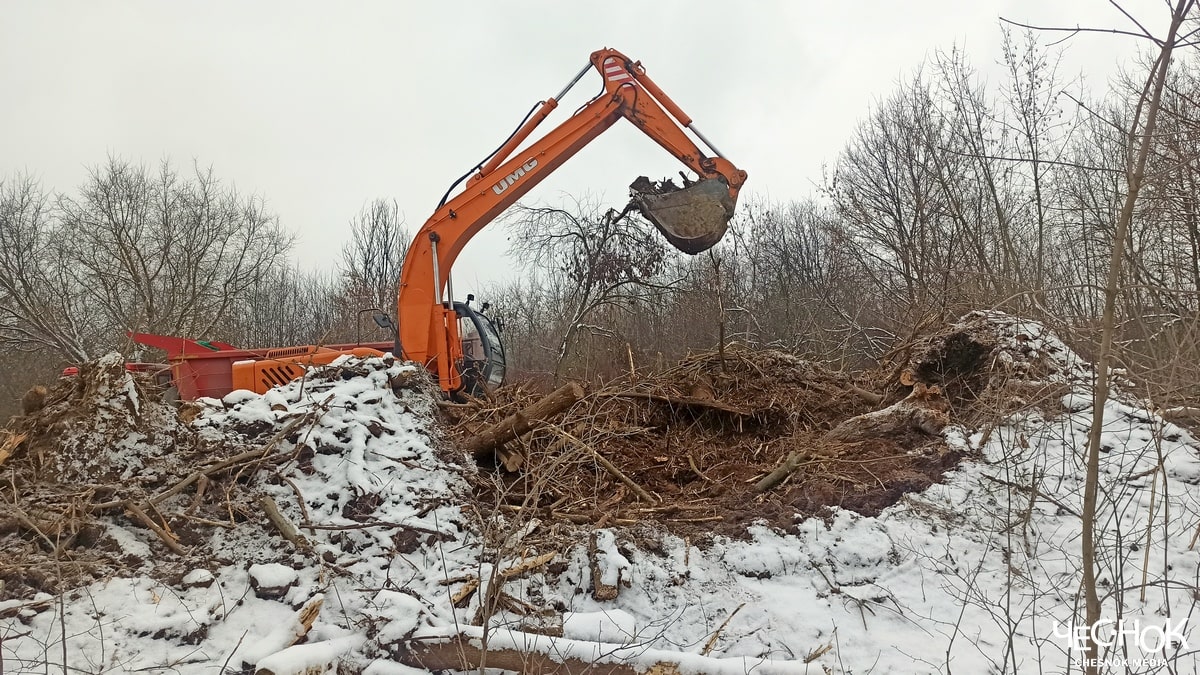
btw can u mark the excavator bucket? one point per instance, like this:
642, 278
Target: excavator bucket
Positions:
693, 218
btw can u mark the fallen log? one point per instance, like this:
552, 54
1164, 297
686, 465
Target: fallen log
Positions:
525, 652
519, 423
697, 403
463, 653
922, 410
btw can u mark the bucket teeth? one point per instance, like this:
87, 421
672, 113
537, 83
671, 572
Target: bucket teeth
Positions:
693, 218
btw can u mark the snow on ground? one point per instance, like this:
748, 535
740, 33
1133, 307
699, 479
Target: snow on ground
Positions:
978, 574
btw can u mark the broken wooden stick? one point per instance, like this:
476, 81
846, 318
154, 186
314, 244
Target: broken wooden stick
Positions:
308, 657
463, 596
527, 565
9, 445
790, 464
866, 396
611, 468
308, 615
712, 641
281, 523
519, 423
691, 402
167, 537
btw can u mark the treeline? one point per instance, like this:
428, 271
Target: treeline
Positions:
953, 194
154, 249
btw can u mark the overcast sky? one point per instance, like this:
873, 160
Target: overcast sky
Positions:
321, 107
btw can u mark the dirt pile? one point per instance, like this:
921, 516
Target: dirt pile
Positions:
690, 448
103, 427
99, 441
989, 364
698, 438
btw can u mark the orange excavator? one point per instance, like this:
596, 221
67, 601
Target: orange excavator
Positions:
693, 218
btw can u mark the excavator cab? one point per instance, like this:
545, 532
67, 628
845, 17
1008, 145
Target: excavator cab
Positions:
483, 359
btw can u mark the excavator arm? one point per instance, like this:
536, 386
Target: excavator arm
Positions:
693, 218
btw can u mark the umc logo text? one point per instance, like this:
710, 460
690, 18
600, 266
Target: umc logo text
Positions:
514, 176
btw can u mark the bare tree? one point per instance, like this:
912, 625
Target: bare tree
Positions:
39, 308
291, 306
897, 192
154, 252
602, 260
1139, 139
371, 260
135, 250
800, 278
1033, 94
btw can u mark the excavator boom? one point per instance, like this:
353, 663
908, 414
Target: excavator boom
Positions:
693, 218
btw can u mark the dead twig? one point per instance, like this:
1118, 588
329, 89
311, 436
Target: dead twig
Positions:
281, 523
696, 470
167, 537
712, 640
1027, 489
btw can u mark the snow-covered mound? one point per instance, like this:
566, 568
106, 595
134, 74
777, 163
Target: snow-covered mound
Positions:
380, 556
348, 460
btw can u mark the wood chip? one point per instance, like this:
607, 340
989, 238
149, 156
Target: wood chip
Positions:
9, 445
463, 595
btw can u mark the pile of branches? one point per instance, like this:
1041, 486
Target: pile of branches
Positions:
719, 441
101, 452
